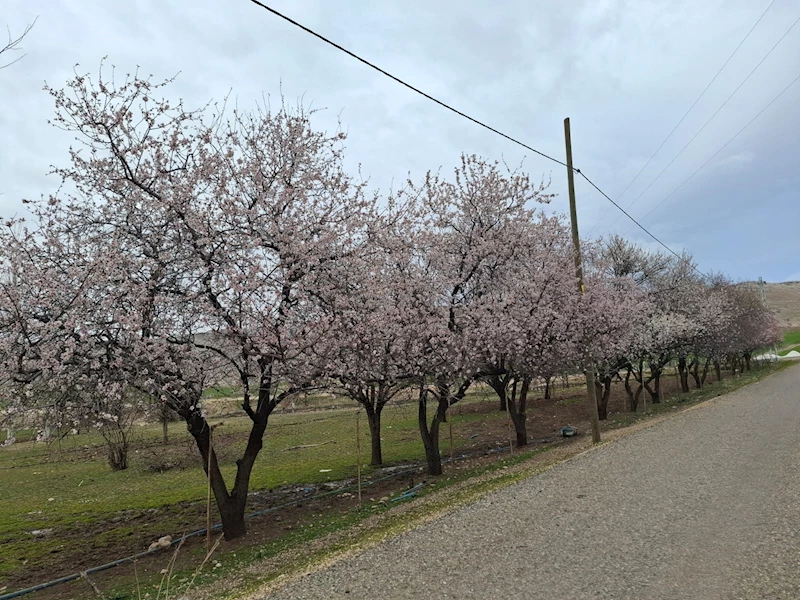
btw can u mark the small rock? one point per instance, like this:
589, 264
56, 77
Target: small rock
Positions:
165, 541
40, 533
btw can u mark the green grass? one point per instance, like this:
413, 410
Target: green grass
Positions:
792, 337
80, 489
222, 391
786, 351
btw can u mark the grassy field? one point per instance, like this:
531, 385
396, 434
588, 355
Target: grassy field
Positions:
67, 486
791, 341
792, 337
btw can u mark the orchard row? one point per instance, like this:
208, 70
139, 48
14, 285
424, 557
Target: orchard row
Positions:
191, 247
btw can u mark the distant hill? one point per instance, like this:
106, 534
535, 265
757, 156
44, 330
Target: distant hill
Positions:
785, 299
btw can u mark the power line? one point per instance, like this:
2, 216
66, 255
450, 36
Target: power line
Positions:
642, 227
458, 112
699, 131
686, 114
795, 80
401, 82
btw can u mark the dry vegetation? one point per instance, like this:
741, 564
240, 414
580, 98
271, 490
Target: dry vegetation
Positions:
785, 299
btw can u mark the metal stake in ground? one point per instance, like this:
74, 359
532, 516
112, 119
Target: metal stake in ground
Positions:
358, 455
591, 398
450, 422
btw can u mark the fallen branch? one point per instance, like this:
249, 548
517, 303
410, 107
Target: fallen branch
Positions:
307, 446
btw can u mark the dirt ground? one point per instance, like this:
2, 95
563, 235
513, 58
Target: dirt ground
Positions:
784, 298
481, 440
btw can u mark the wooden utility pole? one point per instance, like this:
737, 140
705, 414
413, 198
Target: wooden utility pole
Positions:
591, 397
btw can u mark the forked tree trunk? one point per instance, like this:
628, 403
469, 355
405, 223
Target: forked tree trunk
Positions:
694, 369
373, 397
603, 393
232, 505
517, 410
499, 383
548, 389
631, 406
430, 433
638, 376
655, 380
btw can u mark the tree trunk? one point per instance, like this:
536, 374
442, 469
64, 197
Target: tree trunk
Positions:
499, 383
694, 369
374, 419
718, 370
655, 379
232, 517
636, 396
548, 394
517, 409
684, 375
747, 360
603, 392
633, 397
705, 371
629, 391
430, 435
232, 505
118, 455
165, 424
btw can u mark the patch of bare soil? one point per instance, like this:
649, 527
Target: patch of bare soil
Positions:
785, 299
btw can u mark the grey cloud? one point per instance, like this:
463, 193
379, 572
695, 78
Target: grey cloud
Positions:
624, 71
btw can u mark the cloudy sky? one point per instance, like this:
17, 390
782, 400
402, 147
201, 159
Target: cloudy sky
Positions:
624, 72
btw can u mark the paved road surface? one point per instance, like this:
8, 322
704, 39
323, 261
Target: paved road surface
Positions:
705, 505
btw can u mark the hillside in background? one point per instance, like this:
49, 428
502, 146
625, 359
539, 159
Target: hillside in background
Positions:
785, 299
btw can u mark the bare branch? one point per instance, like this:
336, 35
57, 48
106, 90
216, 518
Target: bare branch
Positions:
13, 44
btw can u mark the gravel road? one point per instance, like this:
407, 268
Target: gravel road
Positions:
705, 505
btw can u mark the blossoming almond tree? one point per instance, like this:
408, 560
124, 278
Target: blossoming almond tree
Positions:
370, 352
224, 226
529, 329
466, 240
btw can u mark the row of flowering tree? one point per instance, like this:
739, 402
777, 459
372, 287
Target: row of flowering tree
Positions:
188, 246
